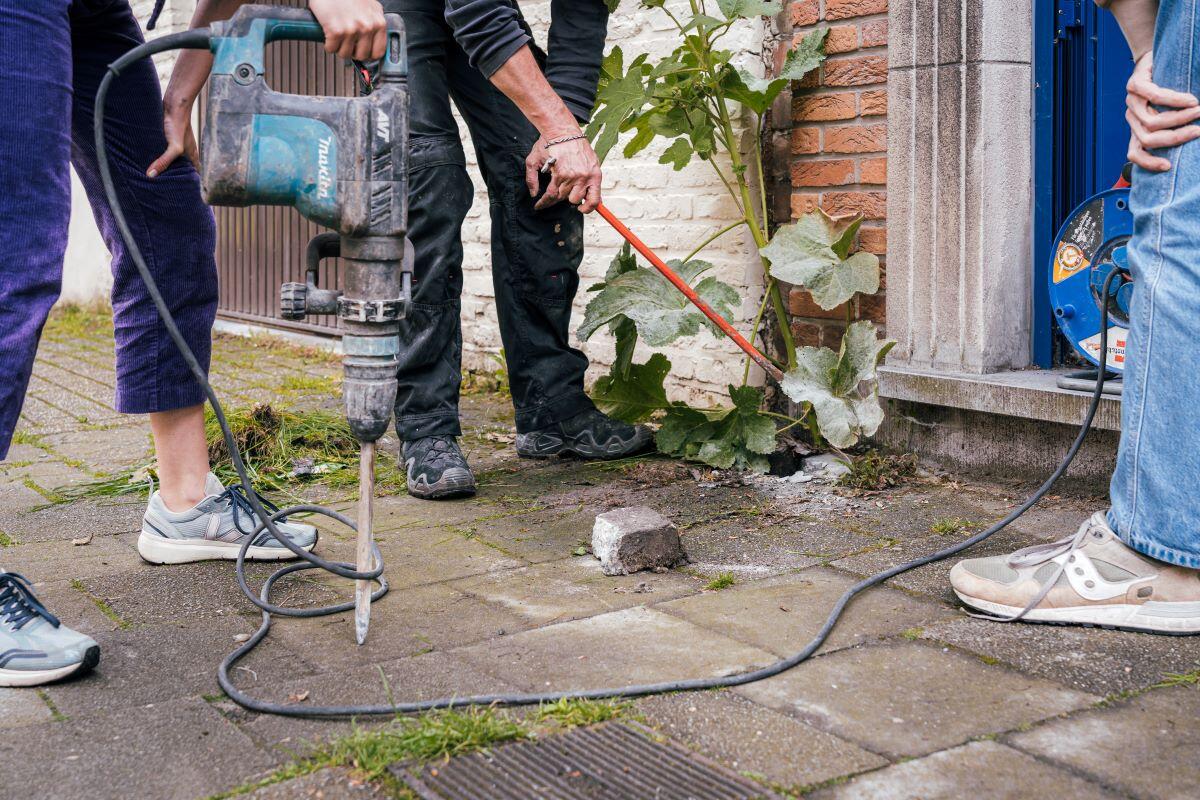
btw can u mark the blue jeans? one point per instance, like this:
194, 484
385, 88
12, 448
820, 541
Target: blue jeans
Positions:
53, 54
1156, 485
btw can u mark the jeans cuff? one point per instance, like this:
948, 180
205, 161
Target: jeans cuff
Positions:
553, 411
182, 396
410, 428
1157, 551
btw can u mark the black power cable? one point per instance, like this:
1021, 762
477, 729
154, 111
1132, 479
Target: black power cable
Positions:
199, 39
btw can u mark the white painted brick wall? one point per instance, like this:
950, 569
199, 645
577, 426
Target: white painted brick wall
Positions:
671, 211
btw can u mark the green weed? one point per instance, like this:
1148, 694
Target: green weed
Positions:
577, 713
722, 581
1191, 678
951, 526
7, 541
873, 471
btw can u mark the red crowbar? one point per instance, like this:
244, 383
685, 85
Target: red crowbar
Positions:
689, 293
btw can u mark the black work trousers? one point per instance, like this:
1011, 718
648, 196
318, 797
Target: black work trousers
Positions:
535, 254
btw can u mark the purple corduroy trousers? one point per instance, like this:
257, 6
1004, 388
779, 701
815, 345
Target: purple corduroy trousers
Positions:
53, 54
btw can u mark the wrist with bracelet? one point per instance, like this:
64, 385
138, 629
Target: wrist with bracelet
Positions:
563, 140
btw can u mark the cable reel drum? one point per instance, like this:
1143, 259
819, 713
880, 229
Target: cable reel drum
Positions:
1092, 243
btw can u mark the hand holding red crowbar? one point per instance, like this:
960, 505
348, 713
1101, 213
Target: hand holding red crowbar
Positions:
689, 293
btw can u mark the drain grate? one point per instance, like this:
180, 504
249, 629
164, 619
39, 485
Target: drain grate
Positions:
614, 761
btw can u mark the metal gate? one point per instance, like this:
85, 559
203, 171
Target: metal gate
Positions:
260, 247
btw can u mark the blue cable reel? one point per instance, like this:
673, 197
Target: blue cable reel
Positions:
1090, 245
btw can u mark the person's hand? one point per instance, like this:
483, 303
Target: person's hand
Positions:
1152, 128
177, 125
574, 176
353, 28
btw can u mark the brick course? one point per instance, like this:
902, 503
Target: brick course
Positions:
838, 144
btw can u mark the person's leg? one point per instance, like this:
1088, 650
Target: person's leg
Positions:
1155, 487
35, 186
35, 210
1137, 566
175, 232
535, 258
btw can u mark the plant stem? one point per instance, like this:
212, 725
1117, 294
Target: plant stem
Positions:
758, 158
785, 330
762, 307
712, 239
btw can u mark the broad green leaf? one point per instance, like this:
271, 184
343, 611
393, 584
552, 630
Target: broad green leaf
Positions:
739, 437
661, 313
619, 97
733, 9
612, 5
637, 395
703, 22
841, 387
803, 253
806, 56
626, 333
678, 155
757, 93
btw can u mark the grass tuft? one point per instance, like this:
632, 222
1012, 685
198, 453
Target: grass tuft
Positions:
1179, 679
951, 526
7, 541
874, 470
722, 581
577, 713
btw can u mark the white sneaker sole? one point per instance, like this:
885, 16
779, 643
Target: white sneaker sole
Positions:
1153, 617
17, 678
159, 550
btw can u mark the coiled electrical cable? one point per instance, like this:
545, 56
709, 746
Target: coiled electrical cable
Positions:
200, 39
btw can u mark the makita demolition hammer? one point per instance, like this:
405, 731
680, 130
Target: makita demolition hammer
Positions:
342, 162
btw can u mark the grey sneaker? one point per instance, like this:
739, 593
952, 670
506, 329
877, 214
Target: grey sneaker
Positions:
36, 648
215, 528
588, 435
436, 468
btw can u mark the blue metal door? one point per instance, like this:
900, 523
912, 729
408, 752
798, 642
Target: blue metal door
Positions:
1081, 65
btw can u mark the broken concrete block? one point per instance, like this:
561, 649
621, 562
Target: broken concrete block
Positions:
829, 466
628, 540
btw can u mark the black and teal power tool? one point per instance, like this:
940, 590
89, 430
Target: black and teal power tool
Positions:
342, 162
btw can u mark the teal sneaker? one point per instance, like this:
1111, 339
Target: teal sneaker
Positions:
36, 648
215, 529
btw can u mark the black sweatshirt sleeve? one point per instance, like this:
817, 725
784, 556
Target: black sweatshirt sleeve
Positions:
576, 48
492, 31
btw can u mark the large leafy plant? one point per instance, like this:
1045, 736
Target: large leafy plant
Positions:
699, 100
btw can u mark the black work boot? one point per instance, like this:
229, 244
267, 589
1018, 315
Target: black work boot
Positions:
587, 435
436, 468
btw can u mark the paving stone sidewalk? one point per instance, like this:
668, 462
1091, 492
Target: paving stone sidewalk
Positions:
910, 698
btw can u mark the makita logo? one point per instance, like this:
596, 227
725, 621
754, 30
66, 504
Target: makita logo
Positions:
324, 173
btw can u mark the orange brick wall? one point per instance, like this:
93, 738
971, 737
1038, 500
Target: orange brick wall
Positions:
829, 146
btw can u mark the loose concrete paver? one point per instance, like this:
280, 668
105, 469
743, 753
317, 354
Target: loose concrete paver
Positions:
978, 769
1149, 746
755, 740
182, 749
636, 645
782, 614
911, 699
560, 591
1090, 659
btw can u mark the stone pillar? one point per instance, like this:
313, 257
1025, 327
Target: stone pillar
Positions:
960, 165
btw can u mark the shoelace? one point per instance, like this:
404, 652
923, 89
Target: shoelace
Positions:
1040, 554
236, 496
18, 605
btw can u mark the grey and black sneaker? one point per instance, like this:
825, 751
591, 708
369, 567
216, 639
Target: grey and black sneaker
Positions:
36, 648
587, 435
215, 529
436, 468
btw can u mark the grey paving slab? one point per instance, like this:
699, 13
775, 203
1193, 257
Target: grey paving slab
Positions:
1148, 746
59, 559
150, 665
911, 699
636, 645
182, 749
22, 706
68, 521
755, 740
748, 549
404, 623
537, 536
559, 591
423, 677
1090, 659
932, 579
782, 614
978, 769
333, 783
